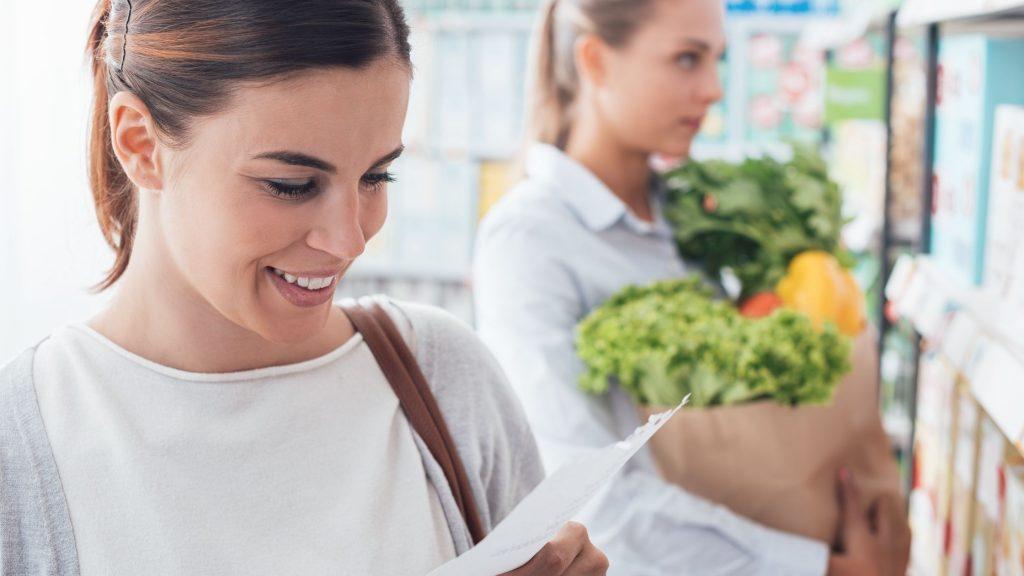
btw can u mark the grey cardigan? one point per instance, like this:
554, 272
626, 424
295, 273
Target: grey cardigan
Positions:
485, 419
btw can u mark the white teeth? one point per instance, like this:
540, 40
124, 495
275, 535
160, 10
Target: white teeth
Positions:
305, 282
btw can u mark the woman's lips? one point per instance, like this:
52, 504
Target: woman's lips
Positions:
299, 296
693, 123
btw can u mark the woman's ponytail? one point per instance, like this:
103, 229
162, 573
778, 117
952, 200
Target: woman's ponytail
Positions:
554, 77
550, 102
113, 194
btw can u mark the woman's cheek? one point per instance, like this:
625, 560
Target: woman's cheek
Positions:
375, 214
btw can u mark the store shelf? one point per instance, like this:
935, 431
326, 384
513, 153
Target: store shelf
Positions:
975, 330
899, 428
863, 19
905, 233
477, 22
427, 272
924, 12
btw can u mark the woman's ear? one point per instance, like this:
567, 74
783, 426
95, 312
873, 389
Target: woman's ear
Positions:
591, 55
134, 139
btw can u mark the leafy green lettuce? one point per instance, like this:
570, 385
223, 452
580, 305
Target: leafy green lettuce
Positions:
664, 341
755, 216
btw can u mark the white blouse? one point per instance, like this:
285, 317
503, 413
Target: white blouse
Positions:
309, 468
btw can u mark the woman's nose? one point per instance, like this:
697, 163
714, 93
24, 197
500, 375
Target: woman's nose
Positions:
713, 91
337, 228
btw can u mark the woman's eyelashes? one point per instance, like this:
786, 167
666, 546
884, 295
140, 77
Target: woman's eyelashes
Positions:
375, 181
301, 189
693, 60
688, 60
290, 189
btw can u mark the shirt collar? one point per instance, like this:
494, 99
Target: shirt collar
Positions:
596, 205
592, 201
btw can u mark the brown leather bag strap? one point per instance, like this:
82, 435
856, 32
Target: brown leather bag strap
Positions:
418, 403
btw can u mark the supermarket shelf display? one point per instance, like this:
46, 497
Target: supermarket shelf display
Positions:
969, 434
961, 295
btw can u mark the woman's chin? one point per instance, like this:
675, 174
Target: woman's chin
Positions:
678, 148
668, 158
294, 327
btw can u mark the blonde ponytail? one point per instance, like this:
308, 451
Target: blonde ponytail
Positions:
554, 80
550, 102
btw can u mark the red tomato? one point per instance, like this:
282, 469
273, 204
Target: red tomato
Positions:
760, 305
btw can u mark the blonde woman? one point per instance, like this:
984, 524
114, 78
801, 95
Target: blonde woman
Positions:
222, 415
615, 82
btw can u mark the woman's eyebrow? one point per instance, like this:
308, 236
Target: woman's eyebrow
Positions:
698, 44
391, 157
298, 159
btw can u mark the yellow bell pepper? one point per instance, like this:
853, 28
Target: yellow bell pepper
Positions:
819, 287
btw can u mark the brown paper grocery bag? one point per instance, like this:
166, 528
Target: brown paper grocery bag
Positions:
778, 465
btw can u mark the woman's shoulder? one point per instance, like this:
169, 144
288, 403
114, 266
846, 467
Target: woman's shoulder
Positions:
16, 377
30, 493
462, 372
531, 207
482, 412
446, 348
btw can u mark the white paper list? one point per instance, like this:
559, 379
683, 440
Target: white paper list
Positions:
555, 501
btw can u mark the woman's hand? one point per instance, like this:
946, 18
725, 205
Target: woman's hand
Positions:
874, 544
570, 553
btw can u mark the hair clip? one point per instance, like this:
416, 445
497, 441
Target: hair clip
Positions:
124, 43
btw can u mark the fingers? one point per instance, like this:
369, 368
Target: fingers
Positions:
882, 517
557, 555
893, 533
891, 520
855, 530
590, 562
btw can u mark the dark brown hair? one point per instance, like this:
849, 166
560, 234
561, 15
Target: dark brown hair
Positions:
554, 78
183, 57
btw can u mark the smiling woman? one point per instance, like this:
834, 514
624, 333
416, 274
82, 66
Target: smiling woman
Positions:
221, 414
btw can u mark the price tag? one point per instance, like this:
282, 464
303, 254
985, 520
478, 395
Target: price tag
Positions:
932, 315
959, 340
900, 278
990, 458
912, 296
998, 384
966, 433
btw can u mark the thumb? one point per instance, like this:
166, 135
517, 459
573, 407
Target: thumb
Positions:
885, 515
891, 521
855, 529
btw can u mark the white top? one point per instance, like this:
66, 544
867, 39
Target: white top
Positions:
551, 251
309, 468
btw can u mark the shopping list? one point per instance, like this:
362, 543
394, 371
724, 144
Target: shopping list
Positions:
555, 501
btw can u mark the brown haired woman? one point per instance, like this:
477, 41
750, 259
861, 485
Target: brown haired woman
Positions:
615, 82
221, 415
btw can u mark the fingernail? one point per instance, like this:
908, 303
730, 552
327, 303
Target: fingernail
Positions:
844, 475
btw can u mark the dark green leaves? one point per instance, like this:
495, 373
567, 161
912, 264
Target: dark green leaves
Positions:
754, 217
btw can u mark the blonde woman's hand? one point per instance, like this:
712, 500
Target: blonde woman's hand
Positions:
570, 553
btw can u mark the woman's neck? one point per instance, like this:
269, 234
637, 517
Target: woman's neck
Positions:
157, 316
624, 171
